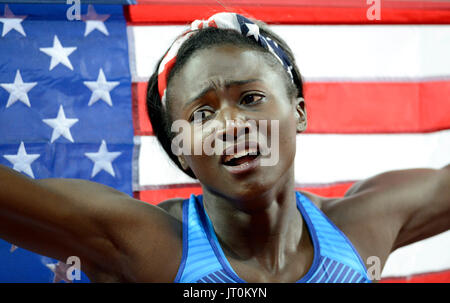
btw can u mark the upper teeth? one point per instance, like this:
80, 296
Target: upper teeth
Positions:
242, 153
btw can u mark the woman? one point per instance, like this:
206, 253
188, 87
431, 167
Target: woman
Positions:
223, 79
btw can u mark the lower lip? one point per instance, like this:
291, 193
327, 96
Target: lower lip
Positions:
244, 167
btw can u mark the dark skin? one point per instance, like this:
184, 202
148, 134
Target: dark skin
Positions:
254, 215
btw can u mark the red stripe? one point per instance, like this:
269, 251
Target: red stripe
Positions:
159, 195
434, 277
141, 121
287, 14
360, 107
378, 107
328, 190
155, 196
135, 106
329, 3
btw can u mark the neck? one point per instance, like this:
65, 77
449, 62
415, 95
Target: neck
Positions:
267, 232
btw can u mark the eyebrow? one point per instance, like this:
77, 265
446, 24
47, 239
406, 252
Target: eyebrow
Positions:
211, 86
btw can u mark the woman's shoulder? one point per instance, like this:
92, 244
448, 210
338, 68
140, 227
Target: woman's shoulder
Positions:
319, 201
332, 207
354, 217
173, 207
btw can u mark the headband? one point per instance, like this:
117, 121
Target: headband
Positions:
233, 21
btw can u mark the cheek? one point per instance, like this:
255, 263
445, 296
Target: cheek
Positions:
198, 138
288, 136
202, 138
285, 116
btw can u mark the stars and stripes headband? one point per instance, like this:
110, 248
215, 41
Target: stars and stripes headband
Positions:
224, 21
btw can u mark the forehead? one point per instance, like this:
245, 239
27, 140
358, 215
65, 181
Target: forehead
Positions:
221, 64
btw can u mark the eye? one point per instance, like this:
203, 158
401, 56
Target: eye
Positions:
200, 115
251, 99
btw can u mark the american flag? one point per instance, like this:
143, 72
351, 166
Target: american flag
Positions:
65, 105
72, 101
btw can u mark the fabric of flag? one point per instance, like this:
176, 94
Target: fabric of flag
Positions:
65, 110
71, 2
72, 102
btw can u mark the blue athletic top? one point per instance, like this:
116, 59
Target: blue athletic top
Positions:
203, 260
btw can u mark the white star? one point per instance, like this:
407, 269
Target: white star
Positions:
272, 50
94, 21
10, 21
61, 125
60, 271
22, 161
18, 90
101, 88
102, 160
253, 30
58, 53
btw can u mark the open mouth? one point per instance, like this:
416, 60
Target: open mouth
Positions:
246, 158
241, 158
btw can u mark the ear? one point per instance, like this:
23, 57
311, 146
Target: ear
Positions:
183, 162
300, 114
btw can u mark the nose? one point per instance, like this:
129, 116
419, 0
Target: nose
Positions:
233, 129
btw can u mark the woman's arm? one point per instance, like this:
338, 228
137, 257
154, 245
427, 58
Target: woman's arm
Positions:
419, 198
394, 209
425, 203
69, 217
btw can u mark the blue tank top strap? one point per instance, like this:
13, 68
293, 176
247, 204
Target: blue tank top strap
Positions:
203, 260
198, 258
337, 259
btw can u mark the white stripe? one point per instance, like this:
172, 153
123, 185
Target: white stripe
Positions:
323, 158
357, 52
327, 158
429, 255
155, 167
131, 50
339, 52
150, 44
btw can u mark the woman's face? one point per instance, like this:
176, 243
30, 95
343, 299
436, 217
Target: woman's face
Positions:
226, 93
